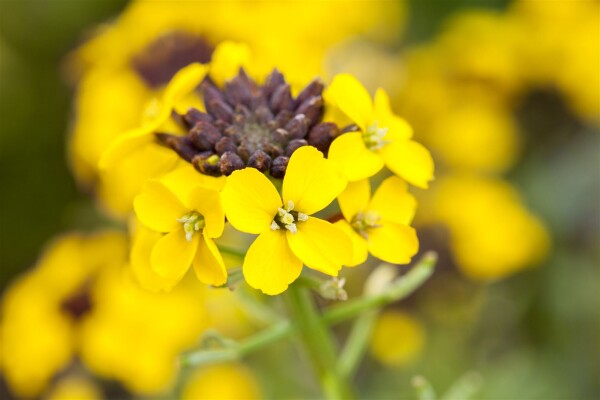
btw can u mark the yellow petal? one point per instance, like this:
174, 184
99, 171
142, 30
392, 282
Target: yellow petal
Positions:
355, 198
356, 160
208, 263
393, 202
360, 252
347, 93
409, 160
393, 243
185, 177
184, 82
207, 202
173, 254
250, 200
127, 143
158, 208
227, 59
321, 245
398, 128
143, 243
311, 181
270, 264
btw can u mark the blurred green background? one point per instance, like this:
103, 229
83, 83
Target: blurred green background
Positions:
532, 336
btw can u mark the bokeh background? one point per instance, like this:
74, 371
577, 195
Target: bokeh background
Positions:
534, 334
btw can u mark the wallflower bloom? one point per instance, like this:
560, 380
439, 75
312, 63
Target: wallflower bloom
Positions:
379, 225
190, 221
383, 139
289, 235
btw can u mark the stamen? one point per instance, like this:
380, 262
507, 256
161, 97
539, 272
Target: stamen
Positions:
374, 137
287, 218
363, 222
192, 222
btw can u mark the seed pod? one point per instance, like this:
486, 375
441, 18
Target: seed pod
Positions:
260, 160
278, 167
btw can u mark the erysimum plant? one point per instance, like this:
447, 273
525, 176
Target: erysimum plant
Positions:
250, 155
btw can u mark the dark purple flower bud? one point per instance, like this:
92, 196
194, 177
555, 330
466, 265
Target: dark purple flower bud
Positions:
293, 145
282, 99
225, 144
230, 162
313, 89
321, 136
312, 109
181, 144
297, 126
207, 163
204, 135
278, 167
193, 116
260, 160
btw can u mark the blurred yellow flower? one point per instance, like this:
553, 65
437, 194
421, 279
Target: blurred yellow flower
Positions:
383, 138
289, 235
41, 310
75, 388
229, 381
398, 338
379, 225
492, 235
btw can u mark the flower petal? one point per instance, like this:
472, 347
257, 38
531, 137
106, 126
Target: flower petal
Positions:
409, 160
182, 84
356, 160
393, 243
158, 208
208, 263
355, 198
185, 177
227, 59
350, 96
398, 128
144, 240
207, 202
321, 245
360, 252
270, 264
250, 200
393, 202
311, 181
173, 254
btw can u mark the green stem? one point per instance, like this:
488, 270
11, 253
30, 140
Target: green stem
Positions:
318, 342
356, 344
397, 290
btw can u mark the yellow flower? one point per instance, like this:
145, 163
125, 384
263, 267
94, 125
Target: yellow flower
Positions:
492, 234
384, 138
379, 225
190, 221
230, 381
75, 387
398, 338
42, 310
289, 235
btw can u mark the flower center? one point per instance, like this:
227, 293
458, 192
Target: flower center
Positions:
192, 222
374, 137
161, 59
287, 218
363, 221
250, 125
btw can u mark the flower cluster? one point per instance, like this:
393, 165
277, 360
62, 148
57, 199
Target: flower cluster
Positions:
247, 138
